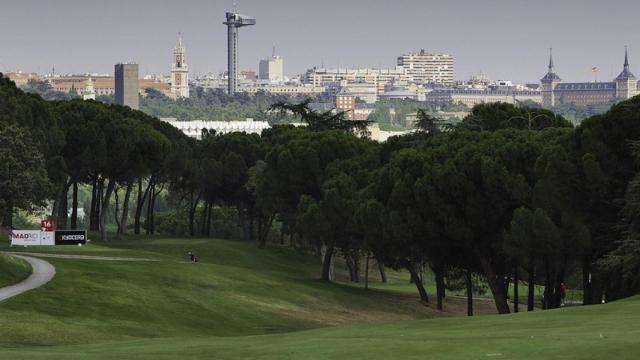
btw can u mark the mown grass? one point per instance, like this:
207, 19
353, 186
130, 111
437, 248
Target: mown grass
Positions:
240, 302
398, 281
594, 332
13, 270
236, 289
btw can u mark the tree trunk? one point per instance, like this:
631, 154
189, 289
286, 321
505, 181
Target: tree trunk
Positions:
203, 220
532, 285
122, 230
54, 207
353, 265
383, 273
142, 197
327, 260
94, 200
282, 235
152, 209
496, 284
440, 290
244, 223
63, 207
251, 225
366, 270
209, 212
264, 228
548, 286
516, 300
98, 204
469, 283
116, 211
193, 206
74, 206
416, 280
104, 209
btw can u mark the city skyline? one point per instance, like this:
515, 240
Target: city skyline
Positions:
502, 39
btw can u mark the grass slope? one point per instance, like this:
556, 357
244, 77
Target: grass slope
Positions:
595, 332
236, 289
244, 302
13, 270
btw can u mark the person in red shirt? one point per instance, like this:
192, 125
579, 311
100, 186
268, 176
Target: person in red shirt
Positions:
563, 293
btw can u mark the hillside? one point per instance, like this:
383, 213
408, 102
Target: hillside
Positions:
243, 302
13, 270
236, 289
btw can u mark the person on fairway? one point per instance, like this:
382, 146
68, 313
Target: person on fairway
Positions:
563, 293
193, 257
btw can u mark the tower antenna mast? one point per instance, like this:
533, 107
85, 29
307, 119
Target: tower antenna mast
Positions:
233, 22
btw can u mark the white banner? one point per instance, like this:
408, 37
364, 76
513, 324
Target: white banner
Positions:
25, 237
47, 238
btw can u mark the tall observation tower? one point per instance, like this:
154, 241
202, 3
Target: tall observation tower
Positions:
234, 21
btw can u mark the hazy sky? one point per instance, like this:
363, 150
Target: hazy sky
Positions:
505, 39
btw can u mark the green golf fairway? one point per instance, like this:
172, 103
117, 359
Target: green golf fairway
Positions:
241, 302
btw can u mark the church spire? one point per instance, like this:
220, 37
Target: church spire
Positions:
179, 39
626, 59
551, 76
626, 73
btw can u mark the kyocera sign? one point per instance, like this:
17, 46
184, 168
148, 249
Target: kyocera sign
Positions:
71, 237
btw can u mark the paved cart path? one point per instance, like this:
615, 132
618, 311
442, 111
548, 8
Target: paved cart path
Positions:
42, 272
80, 257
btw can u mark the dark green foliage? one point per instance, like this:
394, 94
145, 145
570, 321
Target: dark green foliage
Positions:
23, 179
319, 121
44, 89
213, 104
427, 123
494, 116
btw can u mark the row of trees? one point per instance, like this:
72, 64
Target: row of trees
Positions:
106, 147
511, 193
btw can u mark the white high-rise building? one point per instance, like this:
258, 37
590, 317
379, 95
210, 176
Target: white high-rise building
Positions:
272, 69
179, 72
428, 68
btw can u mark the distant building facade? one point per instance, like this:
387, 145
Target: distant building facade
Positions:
472, 97
104, 85
21, 79
377, 78
346, 102
179, 72
126, 85
555, 92
427, 67
282, 89
363, 91
272, 69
